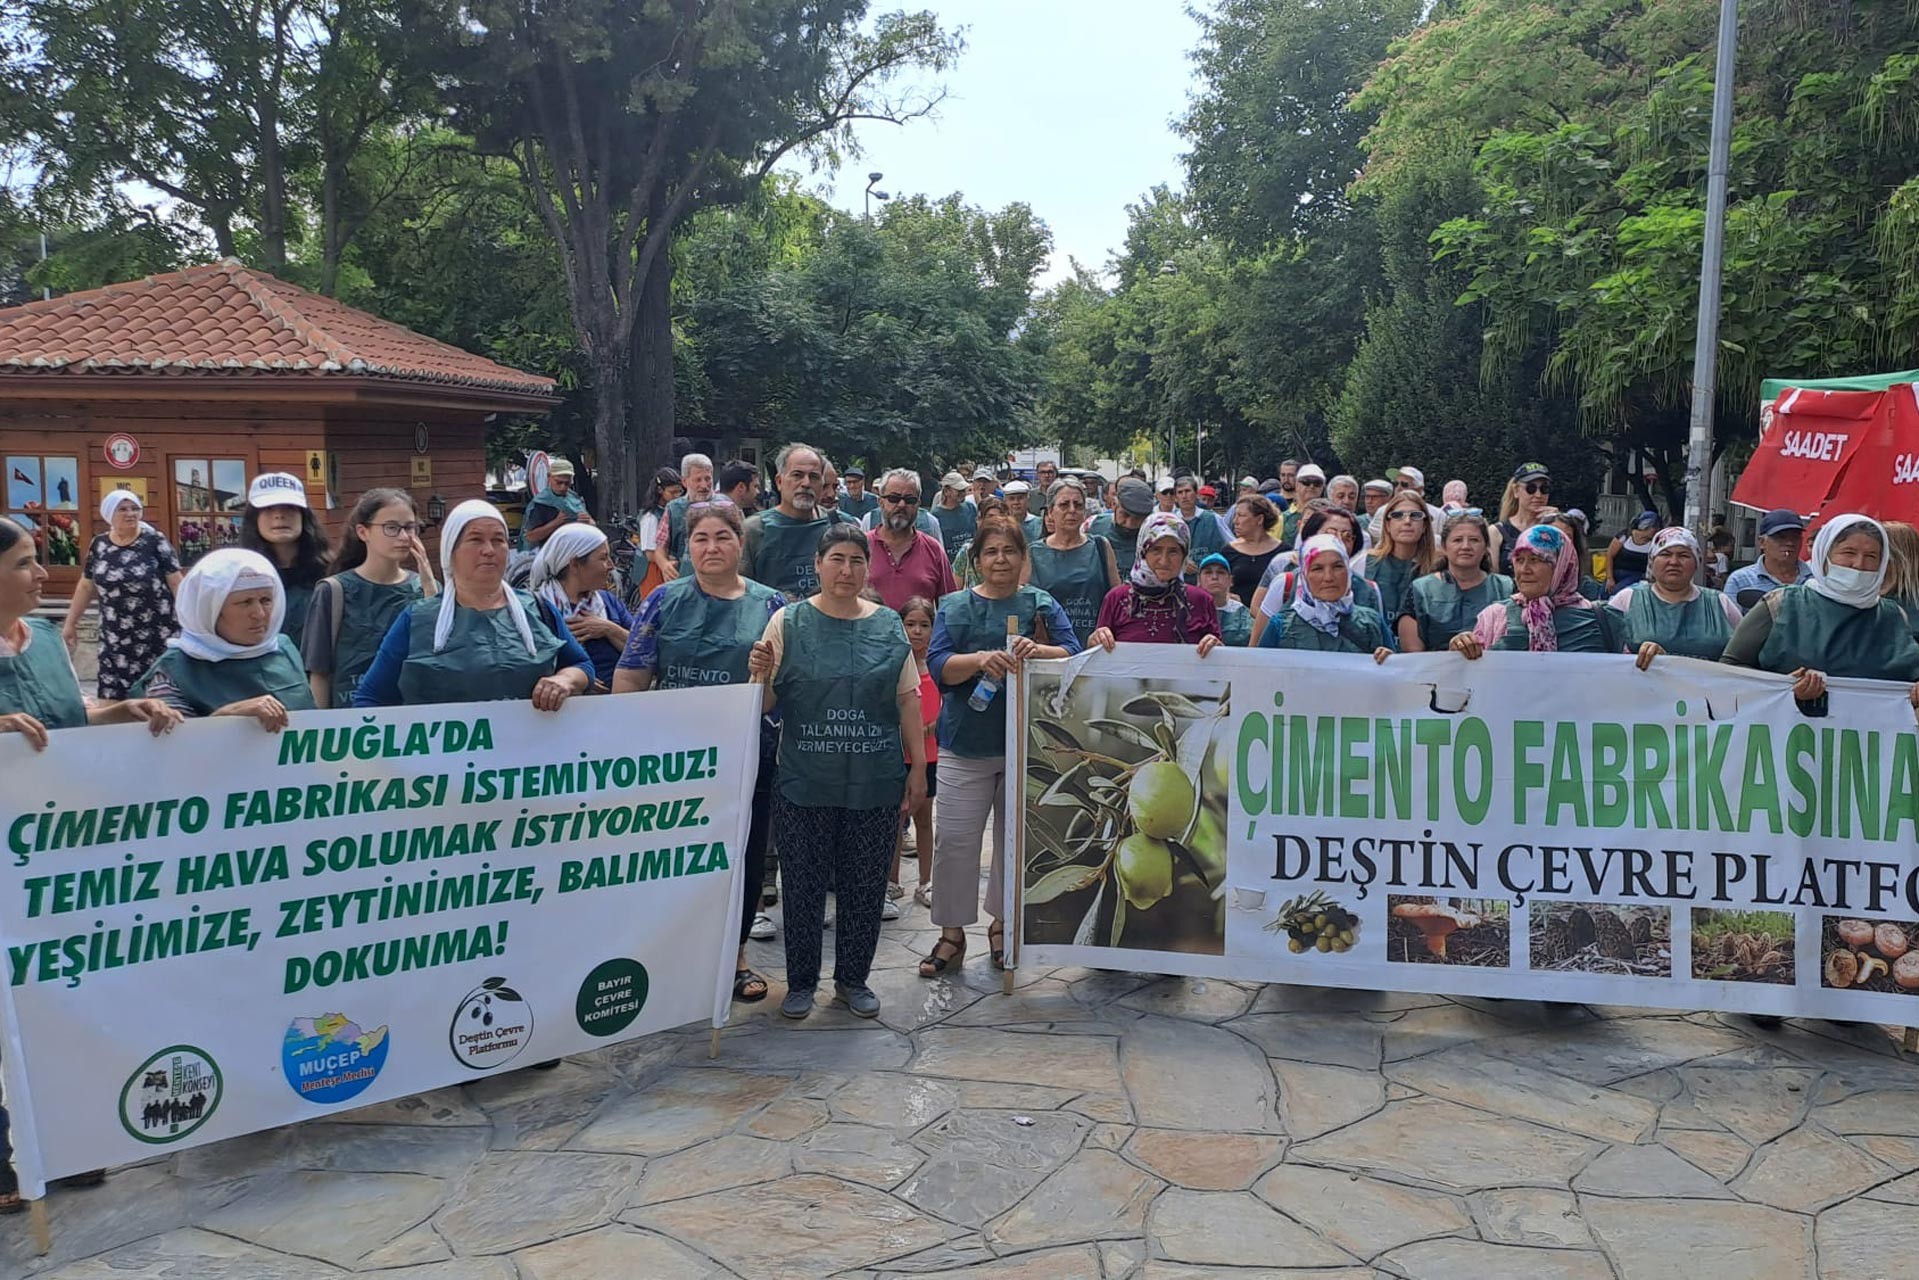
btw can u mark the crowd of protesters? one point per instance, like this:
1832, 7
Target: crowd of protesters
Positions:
906, 605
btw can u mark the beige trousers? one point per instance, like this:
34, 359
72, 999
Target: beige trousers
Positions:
970, 792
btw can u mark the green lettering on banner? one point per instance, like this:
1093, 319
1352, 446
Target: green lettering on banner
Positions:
1313, 778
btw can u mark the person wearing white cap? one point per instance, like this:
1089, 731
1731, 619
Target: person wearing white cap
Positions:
955, 516
281, 526
133, 571
1248, 485
481, 640
231, 657
1309, 483
1163, 492
1019, 498
1403, 480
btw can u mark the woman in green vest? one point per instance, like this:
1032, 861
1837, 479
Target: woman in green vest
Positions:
1075, 569
38, 693
699, 630
481, 640
1235, 619
1668, 612
279, 525
852, 759
232, 656
1441, 605
1322, 617
1836, 625
1546, 613
1408, 553
970, 658
380, 569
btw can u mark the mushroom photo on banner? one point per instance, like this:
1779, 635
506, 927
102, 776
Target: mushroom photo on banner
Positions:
1472, 932
1880, 956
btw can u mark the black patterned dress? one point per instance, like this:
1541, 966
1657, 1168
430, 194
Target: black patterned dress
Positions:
136, 606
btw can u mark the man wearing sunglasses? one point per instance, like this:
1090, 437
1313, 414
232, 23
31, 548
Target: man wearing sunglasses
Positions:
1309, 482
905, 562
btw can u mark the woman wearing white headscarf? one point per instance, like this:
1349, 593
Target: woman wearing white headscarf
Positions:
481, 640
1322, 616
134, 571
230, 658
573, 575
1837, 624
1668, 612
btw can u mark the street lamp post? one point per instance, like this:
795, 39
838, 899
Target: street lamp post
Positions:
871, 195
1705, 359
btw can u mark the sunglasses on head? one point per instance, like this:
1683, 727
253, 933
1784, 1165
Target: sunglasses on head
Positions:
1539, 486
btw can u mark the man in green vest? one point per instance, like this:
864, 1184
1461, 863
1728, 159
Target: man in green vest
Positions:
781, 542
955, 516
858, 503
1133, 502
696, 473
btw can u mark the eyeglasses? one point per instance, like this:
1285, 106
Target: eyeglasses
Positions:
1406, 515
892, 499
395, 529
1539, 486
1310, 484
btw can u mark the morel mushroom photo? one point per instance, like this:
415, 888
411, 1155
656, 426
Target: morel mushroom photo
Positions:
1743, 946
1456, 931
1602, 937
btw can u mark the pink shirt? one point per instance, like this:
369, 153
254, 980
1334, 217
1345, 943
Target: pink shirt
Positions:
922, 571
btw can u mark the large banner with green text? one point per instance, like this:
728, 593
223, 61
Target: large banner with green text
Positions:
1559, 827
221, 931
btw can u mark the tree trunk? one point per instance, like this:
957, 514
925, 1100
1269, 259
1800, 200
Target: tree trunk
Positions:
653, 389
273, 181
613, 387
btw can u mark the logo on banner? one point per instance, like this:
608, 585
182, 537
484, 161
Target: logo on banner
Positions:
329, 1058
170, 1094
611, 997
491, 1026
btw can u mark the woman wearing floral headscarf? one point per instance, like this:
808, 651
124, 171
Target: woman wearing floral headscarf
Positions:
1155, 606
1668, 612
1838, 624
1546, 614
230, 658
1322, 616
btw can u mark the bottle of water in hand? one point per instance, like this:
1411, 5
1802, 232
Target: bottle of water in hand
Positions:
986, 688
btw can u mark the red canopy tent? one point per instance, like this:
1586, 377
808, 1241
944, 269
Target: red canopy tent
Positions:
1837, 444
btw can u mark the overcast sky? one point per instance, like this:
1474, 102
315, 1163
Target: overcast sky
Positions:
1065, 104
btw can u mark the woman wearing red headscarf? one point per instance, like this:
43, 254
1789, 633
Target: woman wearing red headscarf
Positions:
1546, 614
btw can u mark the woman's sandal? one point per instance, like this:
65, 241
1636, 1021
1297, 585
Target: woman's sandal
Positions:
924, 896
744, 982
10, 1202
996, 934
935, 964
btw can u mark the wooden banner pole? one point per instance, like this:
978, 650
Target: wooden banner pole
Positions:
41, 1228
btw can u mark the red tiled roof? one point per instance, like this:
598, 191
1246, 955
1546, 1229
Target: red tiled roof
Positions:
224, 318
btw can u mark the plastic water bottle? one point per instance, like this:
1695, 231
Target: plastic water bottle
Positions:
986, 688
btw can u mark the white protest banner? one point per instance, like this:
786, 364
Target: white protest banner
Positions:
1556, 828
221, 931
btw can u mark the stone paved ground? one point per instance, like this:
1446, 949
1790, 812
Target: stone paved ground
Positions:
1091, 1125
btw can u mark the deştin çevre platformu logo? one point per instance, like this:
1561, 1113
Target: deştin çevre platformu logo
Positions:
492, 1023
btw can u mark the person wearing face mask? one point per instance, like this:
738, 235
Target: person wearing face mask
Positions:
1630, 554
1668, 611
1838, 624
133, 571
1322, 617
970, 642
669, 540
231, 657
480, 640
1782, 536
573, 577
780, 542
1546, 613
281, 526
1441, 605
380, 569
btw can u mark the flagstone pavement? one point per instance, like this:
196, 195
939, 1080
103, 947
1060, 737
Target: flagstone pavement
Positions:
1089, 1126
